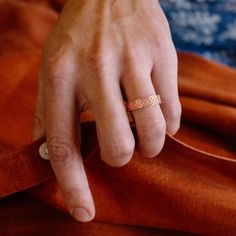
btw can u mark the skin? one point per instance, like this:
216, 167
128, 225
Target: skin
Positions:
98, 52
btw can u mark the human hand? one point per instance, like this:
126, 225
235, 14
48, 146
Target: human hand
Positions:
97, 49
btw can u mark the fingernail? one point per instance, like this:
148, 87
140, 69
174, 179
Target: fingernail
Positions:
81, 215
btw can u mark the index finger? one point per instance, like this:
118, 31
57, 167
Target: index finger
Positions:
64, 146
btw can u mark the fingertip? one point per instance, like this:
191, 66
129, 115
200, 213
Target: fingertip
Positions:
153, 148
82, 214
79, 202
173, 128
173, 118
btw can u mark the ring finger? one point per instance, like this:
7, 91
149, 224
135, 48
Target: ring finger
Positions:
150, 122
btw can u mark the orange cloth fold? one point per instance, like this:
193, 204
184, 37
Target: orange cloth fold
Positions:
190, 187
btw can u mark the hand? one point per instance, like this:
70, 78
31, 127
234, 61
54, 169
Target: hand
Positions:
97, 49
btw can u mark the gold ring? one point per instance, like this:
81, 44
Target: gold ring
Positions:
140, 103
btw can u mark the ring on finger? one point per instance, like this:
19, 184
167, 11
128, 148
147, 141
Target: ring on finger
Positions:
140, 103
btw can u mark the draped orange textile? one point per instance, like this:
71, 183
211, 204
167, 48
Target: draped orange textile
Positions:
190, 187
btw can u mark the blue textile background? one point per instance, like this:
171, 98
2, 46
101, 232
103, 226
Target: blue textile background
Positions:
207, 27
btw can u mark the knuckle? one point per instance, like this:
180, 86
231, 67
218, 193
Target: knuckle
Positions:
59, 150
150, 152
56, 68
174, 56
53, 71
120, 152
152, 138
97, 61
174, 114
160, 126
173, 117
153, 128
73, 194
55, 77
98, 58
166, 49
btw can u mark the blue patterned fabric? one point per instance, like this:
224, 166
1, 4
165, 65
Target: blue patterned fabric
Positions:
207, 27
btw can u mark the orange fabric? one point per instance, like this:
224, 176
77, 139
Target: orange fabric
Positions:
32, 217
190, 186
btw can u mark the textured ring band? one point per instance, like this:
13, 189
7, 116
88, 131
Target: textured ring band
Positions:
140, 103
